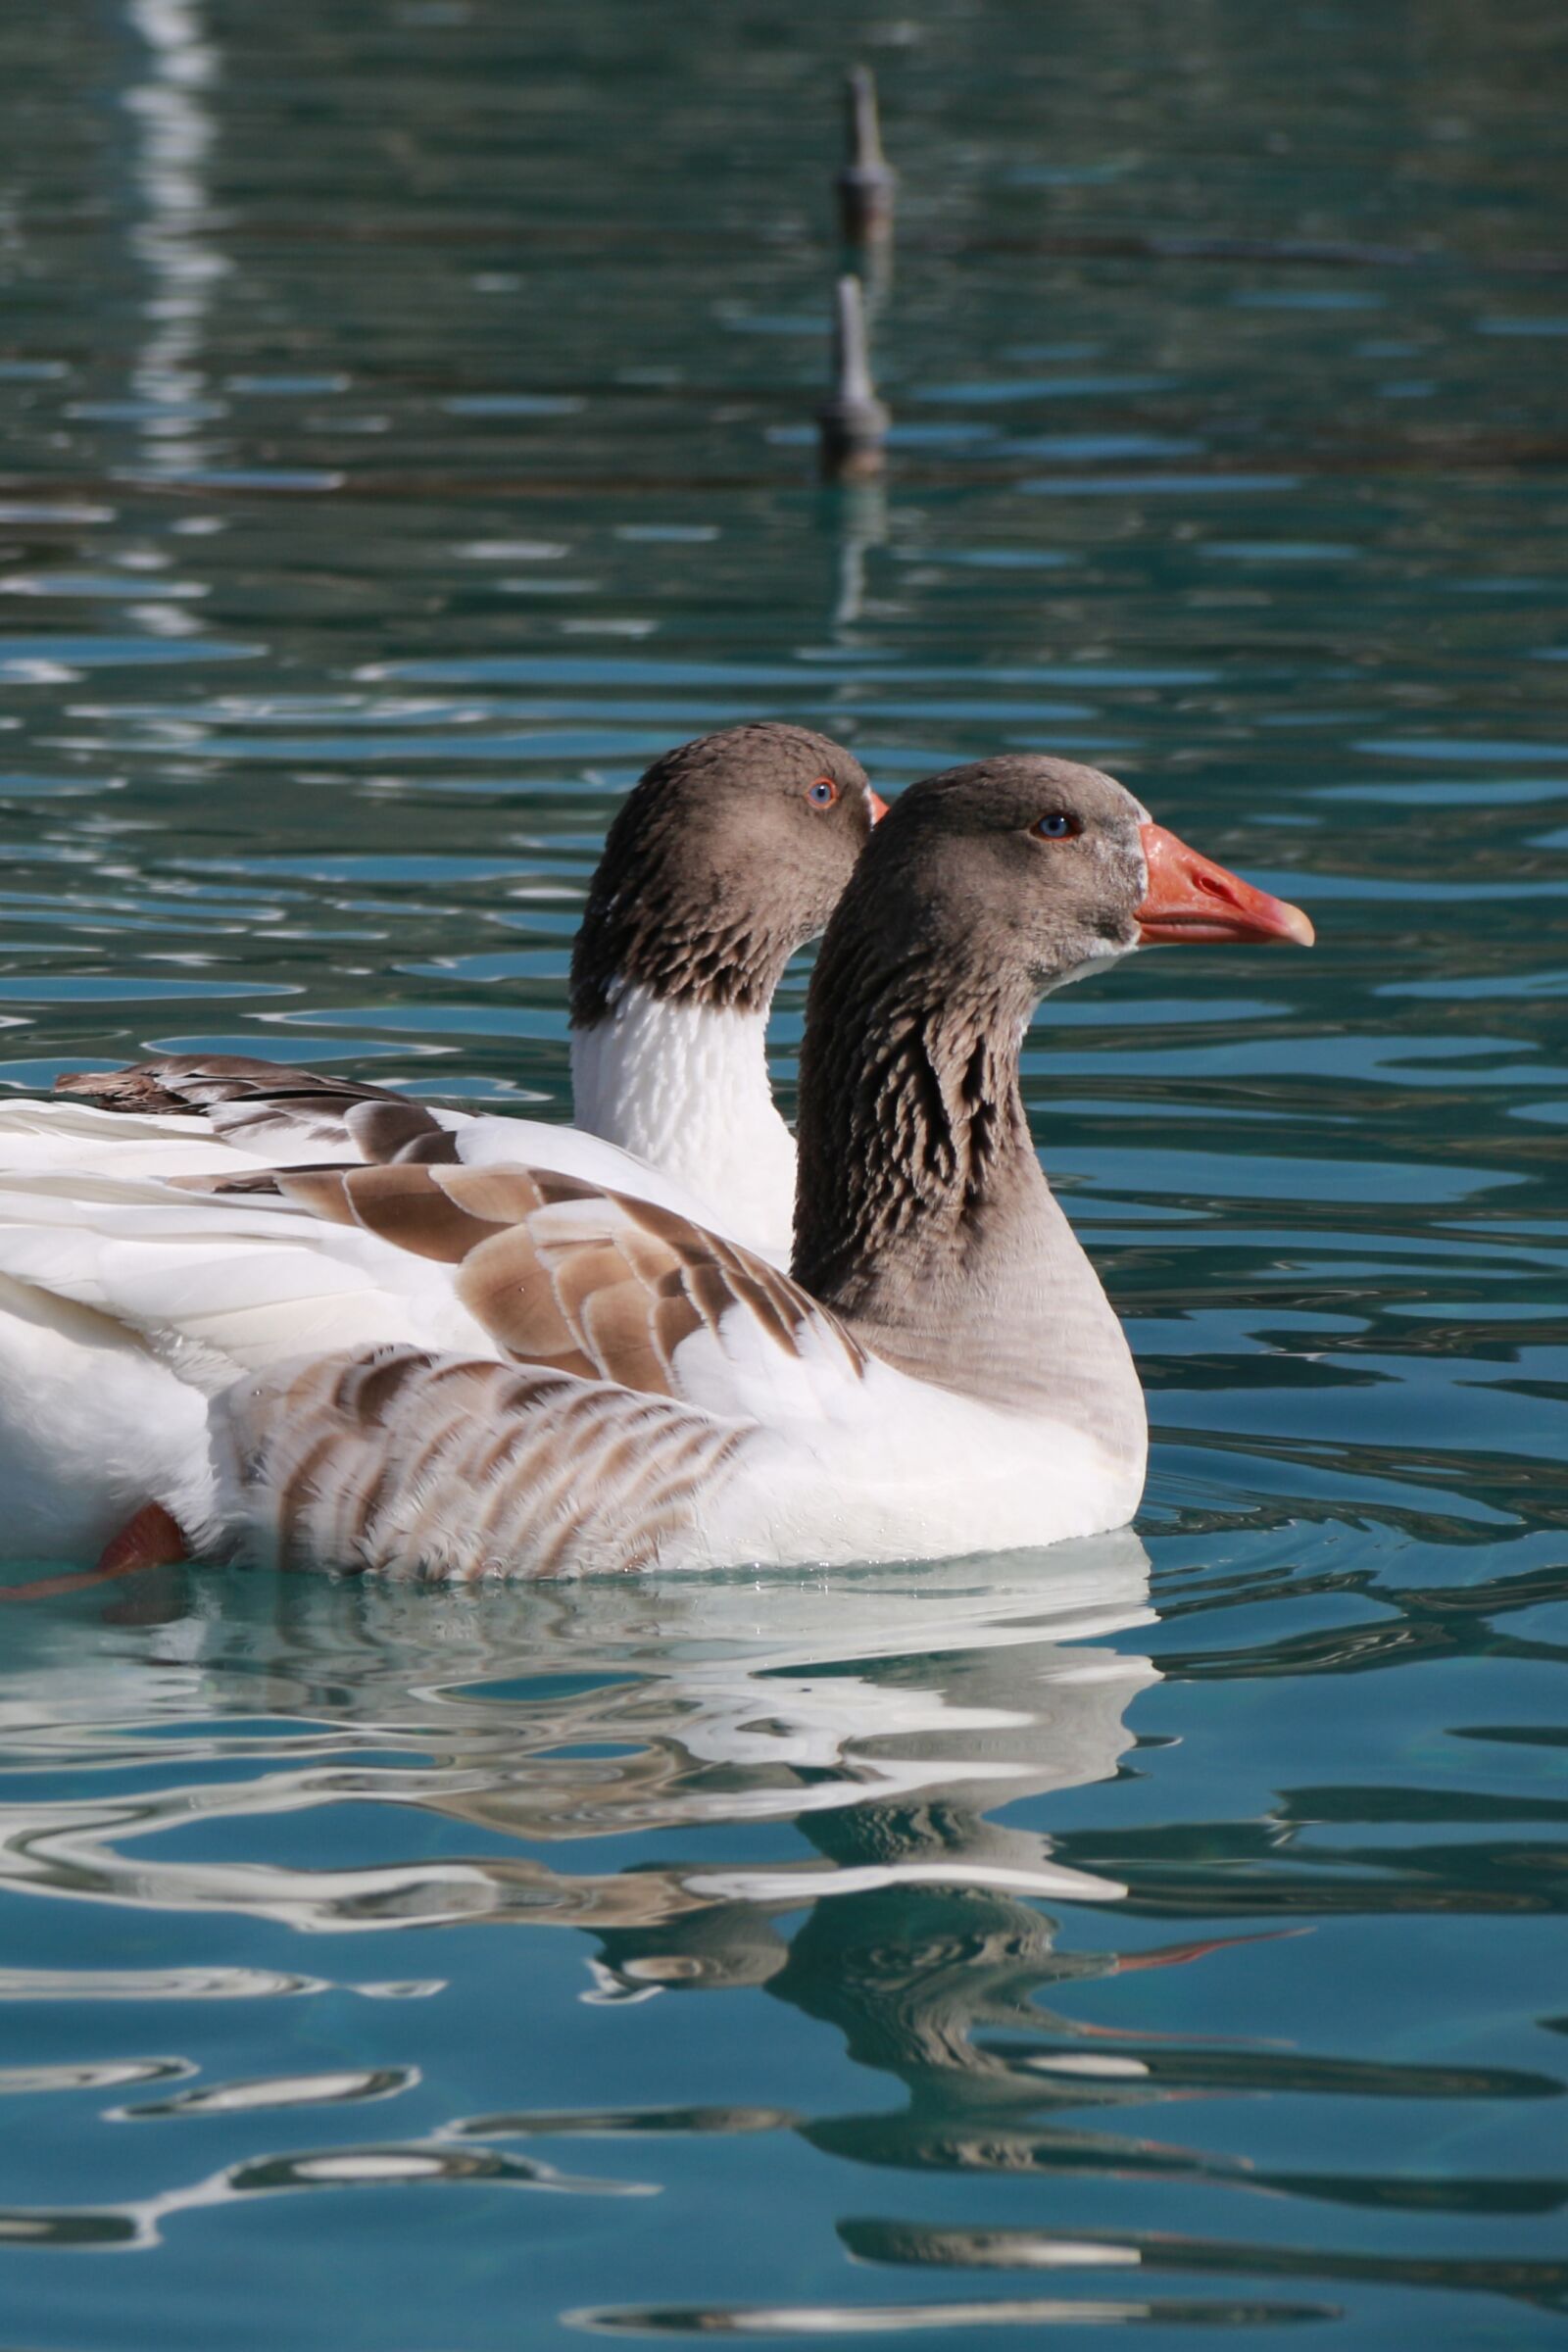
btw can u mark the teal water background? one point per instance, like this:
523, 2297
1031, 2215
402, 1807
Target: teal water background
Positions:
406, 433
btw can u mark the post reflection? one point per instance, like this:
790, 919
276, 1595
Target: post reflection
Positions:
861, 516
169, 227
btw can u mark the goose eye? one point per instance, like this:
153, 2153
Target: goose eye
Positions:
824, 793
1058, 826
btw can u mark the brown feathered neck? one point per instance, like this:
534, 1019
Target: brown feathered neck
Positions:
649, 923
912, 1138
923, 1216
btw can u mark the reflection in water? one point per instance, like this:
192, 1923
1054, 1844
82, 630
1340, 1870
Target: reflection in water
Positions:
907, 1702
818, 2320
910, 2245
823, 1794
885, 1716
170, 234
278, 2090
139, 2224
861, 510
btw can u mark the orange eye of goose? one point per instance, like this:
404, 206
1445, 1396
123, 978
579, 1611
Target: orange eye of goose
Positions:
824, 793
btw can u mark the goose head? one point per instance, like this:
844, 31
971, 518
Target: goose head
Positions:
1036, 871
726, 856
985, 888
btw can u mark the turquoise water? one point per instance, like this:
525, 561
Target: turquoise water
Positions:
406, 414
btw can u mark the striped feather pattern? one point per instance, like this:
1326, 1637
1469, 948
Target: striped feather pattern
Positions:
261, 1107
443, 1468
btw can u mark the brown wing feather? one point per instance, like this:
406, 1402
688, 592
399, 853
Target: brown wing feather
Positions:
412, 1205
671, 1316
180, 1083
561, 1273
621, 1330
400, 1131
504, 1286
261, 1104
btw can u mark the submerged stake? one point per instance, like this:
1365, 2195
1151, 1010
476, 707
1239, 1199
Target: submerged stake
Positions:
853, 423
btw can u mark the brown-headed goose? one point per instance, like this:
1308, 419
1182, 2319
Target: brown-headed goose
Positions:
454, 1370
728, 855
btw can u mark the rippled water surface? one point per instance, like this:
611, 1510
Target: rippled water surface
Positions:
405, 415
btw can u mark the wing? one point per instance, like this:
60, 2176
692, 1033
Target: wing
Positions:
214, 1285
288, 1118
37, 1138
602, 1286
264, 1107
446, 1468
222, 1274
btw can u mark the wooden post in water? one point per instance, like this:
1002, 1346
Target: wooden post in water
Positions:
866, 181
852, 422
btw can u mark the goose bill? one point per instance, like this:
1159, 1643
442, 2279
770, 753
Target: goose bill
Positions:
1191, 897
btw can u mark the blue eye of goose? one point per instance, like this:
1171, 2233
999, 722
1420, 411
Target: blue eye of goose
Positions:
1058, 826
824, 793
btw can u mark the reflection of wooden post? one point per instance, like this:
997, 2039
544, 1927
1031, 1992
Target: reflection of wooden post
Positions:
861, 516
866, 181
853, 423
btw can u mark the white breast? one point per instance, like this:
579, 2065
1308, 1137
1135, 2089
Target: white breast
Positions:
905, 1471
685, 1088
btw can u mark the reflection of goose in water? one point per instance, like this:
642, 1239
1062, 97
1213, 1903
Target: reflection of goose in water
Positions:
887, 1713
907, 1701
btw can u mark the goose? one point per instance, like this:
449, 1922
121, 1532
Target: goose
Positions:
725, 858
448, 1371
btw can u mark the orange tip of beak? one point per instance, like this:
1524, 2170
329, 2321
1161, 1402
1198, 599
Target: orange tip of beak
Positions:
1191, 897
879, 806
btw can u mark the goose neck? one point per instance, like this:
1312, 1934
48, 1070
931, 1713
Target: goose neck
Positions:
923, 1216
685, 1086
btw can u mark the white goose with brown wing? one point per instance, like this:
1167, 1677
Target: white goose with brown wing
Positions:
451, 1371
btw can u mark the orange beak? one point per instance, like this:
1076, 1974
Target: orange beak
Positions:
1189, 896
879, 806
